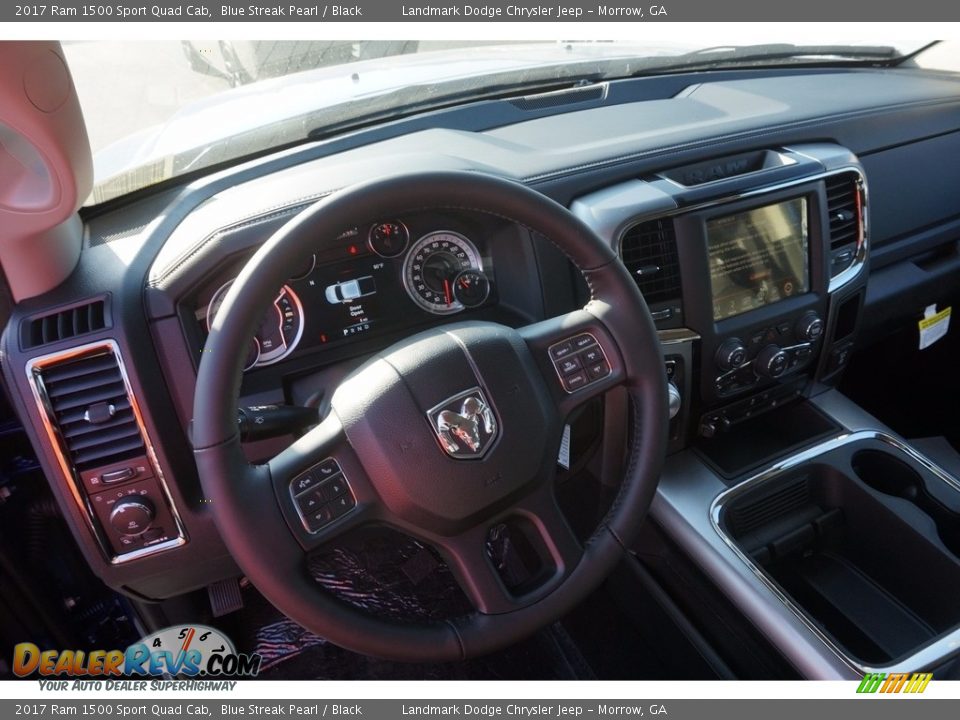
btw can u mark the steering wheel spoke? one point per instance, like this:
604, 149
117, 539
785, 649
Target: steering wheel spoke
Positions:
514, 562
577, 355
321, 485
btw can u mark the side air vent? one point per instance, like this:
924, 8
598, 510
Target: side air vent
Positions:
649, 250
845, 212
63, 324
89, 403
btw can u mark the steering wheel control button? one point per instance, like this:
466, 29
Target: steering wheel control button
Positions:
333, 488
561, 350
592, 356
574, 382
341, 506
328, 468
583, 341
569, 365
321, 494
307, 481
586, 365
598, 371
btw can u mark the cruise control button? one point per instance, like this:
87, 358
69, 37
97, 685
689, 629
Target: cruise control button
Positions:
307, 481
600, 370
575, 381
592, 356
561, 350
583, 341
569, 365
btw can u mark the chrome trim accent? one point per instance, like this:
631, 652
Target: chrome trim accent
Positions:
675, 336
925, 657
860, 258
34, 369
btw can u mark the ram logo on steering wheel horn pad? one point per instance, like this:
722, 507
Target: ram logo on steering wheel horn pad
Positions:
464, 424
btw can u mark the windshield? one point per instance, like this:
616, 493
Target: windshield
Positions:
155, 110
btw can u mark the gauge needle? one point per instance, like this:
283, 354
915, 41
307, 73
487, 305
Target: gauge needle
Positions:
447, 292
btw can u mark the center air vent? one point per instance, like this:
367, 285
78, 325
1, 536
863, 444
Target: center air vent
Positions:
845, 213
649, 251
90, 405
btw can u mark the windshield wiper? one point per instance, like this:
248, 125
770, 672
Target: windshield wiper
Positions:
776, 54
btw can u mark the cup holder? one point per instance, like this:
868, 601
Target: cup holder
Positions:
889, 475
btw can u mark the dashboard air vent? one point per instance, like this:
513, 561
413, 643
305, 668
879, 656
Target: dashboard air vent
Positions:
63, 324
843, 209
649, 250
89, 402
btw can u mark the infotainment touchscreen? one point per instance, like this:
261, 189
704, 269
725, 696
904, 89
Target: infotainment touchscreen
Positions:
758, 257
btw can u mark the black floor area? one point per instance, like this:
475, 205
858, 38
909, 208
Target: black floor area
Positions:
597, 641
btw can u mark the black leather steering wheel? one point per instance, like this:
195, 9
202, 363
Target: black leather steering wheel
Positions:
382, 431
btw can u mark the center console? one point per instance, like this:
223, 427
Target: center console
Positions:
760, 258
835, 537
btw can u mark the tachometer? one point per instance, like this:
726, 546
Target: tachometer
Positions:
279, 331
431, 267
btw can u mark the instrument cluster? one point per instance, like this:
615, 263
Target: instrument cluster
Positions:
370, 279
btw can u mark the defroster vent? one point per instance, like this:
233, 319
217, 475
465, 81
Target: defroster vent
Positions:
63, 324
649, 251
92, 410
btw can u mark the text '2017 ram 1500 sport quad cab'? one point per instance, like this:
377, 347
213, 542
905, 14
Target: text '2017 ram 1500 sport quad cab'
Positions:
526, 361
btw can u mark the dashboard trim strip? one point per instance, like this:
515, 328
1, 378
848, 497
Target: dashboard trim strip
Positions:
34, 368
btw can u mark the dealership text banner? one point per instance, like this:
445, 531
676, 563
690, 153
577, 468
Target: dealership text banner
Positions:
855, 709
491, 11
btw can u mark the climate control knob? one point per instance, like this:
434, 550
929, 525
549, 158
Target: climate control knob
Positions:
771, 362
809, 327
732, 353
132, 516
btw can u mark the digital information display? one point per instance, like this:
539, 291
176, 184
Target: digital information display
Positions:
758, 257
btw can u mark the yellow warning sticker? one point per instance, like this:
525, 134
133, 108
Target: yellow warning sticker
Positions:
934, 325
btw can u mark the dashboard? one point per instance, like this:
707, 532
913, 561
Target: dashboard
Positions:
752, 209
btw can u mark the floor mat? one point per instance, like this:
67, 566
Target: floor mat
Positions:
292, 653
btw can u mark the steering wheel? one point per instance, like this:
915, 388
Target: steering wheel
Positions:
440, 436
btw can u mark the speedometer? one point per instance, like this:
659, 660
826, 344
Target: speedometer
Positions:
431, 267
279, 331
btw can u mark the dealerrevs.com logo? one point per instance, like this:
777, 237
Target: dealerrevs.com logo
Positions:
895, 683
190, 651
